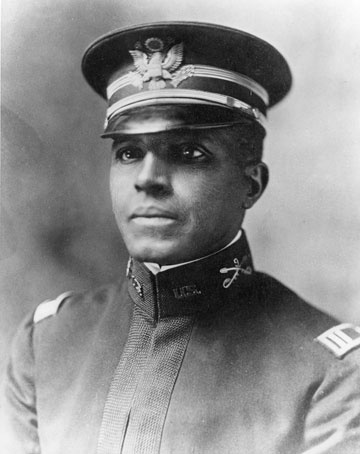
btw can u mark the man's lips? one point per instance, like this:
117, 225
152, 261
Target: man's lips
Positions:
153, 217
153, 212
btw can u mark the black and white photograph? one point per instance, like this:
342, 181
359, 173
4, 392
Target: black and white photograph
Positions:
180, 227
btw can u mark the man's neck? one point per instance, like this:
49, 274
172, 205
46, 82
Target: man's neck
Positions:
155, 268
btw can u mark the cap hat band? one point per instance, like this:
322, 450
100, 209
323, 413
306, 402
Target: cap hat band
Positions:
203, 71
182, 96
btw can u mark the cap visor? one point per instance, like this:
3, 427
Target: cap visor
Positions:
154, 119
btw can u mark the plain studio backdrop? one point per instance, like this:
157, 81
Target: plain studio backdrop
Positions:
57, 227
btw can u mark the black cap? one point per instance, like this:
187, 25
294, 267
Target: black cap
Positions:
172, 75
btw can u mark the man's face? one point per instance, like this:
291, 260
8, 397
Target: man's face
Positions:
177, 196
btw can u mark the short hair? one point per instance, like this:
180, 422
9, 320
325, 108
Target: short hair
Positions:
244, 140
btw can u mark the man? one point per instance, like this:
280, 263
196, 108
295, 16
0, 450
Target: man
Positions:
195, 352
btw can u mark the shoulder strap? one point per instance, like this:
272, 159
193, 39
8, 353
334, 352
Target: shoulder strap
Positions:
49, 307
340, 339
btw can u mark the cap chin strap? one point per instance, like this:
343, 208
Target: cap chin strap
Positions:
182, 96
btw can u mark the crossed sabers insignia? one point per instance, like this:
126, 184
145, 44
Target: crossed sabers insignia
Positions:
238, 268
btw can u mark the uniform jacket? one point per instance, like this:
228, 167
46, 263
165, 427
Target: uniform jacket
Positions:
209, 357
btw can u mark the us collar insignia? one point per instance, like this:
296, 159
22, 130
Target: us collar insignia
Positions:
156, 62
137, 286
135, 283
242, 267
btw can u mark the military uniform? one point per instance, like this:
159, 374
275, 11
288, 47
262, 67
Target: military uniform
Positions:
207, 357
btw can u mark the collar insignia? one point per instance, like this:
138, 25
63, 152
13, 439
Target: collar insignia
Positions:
186, 291
137, 286
238, 268
135, 283
156, 63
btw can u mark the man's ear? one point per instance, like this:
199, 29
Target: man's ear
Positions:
258, 177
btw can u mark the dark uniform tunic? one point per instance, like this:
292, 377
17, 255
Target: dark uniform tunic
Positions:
209, 357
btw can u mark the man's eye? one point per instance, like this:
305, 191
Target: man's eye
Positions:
128, 154
192, 153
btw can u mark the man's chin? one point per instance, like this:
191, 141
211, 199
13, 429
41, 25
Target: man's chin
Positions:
162, 253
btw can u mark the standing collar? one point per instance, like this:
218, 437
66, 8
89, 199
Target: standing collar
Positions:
191, 288
155, 268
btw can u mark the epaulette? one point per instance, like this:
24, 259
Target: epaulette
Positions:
340, 339
49, 307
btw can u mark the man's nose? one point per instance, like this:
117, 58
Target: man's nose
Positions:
153, 176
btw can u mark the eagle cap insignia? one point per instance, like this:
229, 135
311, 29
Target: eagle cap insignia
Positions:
156, 64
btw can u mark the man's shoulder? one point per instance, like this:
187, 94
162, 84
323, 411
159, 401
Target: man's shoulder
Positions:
80, 310
302, 325
68, 320
283, 304
71, 303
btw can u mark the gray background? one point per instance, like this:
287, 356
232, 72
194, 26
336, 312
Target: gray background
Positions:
58, 231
